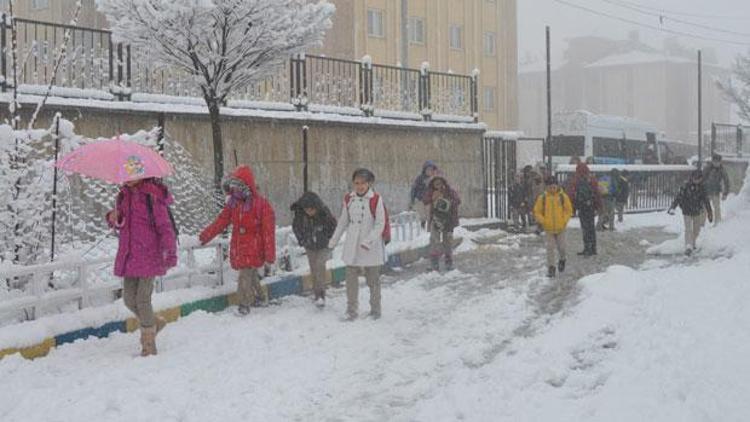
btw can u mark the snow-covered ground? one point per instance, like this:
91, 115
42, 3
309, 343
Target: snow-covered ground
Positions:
668, 339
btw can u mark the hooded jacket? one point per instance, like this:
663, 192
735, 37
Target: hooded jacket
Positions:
253, 241
692, 199
553, 211
451, 196
419, 187
716, 179
312, 232
147, 244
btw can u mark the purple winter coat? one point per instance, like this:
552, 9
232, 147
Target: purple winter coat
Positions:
148, 246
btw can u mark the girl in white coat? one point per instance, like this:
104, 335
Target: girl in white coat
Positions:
363, 219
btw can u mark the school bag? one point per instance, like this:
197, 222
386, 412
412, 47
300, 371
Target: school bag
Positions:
150, 206
386, 235
584, 195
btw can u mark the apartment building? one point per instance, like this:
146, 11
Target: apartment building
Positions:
451, 35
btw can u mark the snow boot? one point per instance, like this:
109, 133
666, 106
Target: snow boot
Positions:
561, 266
243, 310
688, 252
448, 263
435, 263
160, 324
148, 341
551, 271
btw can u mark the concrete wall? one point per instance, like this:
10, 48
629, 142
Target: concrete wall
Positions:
273, 148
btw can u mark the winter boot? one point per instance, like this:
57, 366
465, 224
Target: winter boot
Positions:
160, 324
561, 265
243, 310
435, 263
551, 271
448, 263
148, 341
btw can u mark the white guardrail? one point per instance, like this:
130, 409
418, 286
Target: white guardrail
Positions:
89, 288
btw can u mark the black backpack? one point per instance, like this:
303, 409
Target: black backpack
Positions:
150, 205
584, 195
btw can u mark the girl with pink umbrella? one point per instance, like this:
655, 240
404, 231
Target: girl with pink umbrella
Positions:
147, 239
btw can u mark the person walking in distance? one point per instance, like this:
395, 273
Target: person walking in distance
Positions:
716, 182
253, 242
147, 247
313, 226
364, 219
693, 201
621, 192
553, 211
588, 202
443, 218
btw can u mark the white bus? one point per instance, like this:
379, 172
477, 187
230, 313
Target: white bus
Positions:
603, 139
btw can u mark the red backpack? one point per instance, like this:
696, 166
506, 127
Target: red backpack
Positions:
386, 235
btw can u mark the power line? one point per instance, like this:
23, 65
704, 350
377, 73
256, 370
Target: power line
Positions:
645, 25
663, 16
692, 15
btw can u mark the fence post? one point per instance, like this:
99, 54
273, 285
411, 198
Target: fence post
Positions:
366, 86
3, 54
424, 92
475, 95
299, 82
739, 140
220, 261
128, 75
161, 122
84, 283
713, 138
111, 62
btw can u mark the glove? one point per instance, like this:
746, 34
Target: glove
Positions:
710, 217
670, 211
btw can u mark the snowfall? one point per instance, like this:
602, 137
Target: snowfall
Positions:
666, 340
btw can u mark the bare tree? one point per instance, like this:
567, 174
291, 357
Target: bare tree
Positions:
738, 90
224, 45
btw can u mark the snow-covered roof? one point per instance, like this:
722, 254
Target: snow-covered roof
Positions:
637, 57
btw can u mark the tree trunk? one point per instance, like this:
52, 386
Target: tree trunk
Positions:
213, 112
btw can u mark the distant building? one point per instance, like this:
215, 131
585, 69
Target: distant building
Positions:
625, 78
452, 35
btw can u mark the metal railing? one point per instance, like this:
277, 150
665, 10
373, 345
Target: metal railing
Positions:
729, 139
85, 283
308, 82
652, 187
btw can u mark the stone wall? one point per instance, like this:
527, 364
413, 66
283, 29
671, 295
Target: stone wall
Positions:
273, 147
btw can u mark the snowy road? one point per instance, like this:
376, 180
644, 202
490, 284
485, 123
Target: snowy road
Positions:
294, 362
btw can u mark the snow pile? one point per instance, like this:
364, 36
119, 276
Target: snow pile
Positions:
668, 342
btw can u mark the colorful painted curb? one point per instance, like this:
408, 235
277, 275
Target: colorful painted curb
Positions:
285, 286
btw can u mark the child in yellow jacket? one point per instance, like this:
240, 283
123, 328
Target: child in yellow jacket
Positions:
552, 211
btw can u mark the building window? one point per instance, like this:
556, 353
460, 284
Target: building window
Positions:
490, 94
456, 34
4, 4
490, 43
416, 30
375, 27
39, 4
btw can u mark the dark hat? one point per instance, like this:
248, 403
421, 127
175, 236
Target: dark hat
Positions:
716, 157
550, 180
696, 174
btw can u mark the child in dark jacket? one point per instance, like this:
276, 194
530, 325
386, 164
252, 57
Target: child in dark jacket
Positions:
696, 206
313, 226
147, 249
443, 218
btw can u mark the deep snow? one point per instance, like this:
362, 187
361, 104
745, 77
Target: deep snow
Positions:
666, 340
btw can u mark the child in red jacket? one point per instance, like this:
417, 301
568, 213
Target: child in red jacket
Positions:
253, 241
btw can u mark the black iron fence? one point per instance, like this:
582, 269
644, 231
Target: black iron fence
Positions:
95, 66
652, 187
499, 168
728, 139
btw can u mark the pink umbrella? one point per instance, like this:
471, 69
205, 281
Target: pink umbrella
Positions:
115, 161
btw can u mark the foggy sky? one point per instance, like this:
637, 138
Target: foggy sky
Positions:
566, 21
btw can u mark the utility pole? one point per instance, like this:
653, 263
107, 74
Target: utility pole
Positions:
700, 111
549, 107
404, 53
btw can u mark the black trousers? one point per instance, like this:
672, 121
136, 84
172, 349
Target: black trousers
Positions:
588, 226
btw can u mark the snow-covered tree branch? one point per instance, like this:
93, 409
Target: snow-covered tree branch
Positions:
223, 45
738, 91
